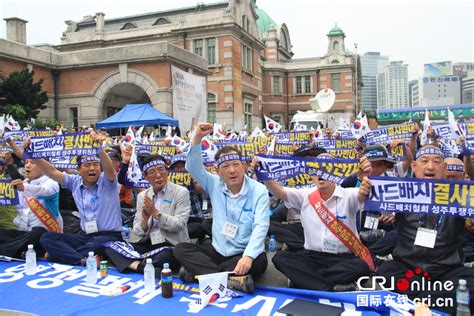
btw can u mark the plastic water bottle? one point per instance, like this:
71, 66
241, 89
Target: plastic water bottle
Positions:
30, 261
166, 281
126, 233
272, 244
91, 267
149, 275
462, 299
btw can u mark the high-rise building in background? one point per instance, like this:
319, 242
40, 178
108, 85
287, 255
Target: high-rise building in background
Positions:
393, 86
414, 93
468, 88
372, 64
462, 69
440, 85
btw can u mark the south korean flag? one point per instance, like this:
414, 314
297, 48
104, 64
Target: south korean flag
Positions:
272, 125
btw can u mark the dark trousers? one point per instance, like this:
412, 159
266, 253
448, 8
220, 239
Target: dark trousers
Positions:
121, 262
14, 242
195, 228
205, 259
320, 271
71, 248
384, 245
290, 234
398, 270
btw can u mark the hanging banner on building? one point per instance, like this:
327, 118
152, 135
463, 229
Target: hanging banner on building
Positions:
281, 168
421, 196
8, 193
386, 134
189, 98
74, 144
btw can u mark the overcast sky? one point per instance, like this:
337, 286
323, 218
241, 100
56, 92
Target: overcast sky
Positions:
415, 31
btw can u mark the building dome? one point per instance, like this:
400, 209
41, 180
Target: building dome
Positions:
264, 22
336, 31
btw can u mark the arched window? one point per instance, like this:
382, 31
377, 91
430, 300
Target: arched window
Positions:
161, 21
335, 45
335, 61
283, 40
211, 107
128, 26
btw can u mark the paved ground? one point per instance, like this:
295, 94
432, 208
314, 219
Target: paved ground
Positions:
272, 277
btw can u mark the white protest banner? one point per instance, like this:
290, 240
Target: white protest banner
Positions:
189, 98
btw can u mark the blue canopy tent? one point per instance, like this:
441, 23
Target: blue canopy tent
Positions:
137, 115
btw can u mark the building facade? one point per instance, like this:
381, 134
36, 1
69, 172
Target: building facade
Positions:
102, 64
393, 86
468, 88
414, 93
372, 64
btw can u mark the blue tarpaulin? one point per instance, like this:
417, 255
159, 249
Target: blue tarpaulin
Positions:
62, 290
137, 115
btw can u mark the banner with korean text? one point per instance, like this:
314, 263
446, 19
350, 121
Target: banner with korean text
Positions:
73, 144
8, 193
282, 168
421, 196
58, 289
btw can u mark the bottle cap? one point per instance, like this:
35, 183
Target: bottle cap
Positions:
166, 265
91, 254
30, 246
148, 260
462, 282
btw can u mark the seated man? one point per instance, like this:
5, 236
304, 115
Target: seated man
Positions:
376, 228
96, 196
160, 220
38, 211
240, 222
444, 261
328, 264
291, 233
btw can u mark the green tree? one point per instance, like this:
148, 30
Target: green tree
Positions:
21, 96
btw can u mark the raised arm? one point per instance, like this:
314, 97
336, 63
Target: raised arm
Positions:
276, 189
44, 166
105, 161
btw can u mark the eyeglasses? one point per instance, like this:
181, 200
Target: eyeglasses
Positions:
155, 171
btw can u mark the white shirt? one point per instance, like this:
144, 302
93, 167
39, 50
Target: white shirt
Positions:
37, 188
343, 203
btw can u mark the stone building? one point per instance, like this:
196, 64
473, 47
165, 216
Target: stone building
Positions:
103, 64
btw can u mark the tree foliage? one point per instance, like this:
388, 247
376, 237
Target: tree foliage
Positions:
21, 96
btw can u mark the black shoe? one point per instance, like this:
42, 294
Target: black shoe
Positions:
242, 283
185, 276
350, 287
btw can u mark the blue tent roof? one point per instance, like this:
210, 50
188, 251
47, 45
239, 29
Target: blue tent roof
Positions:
137, 115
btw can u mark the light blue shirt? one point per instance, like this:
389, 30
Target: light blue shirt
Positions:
99, 202
250, 210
